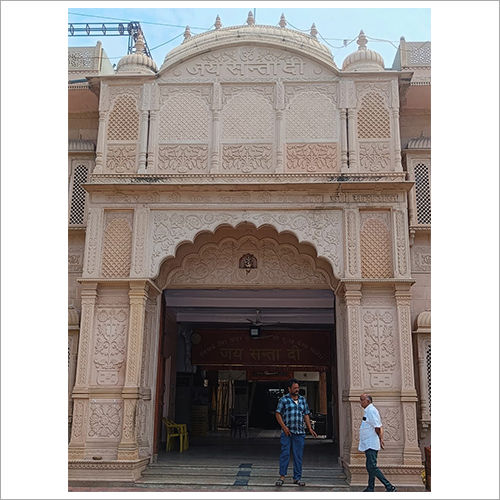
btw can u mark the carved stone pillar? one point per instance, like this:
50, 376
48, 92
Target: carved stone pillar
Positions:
138, 269
397, 139
80, 390
353, 250
351, 120
128, 448
411, 451
343, 140
99, 150
143, 140
352, 296
280, 132
400, 244
216, 108
153, 134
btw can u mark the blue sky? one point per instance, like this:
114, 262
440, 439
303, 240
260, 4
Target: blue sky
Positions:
333, 24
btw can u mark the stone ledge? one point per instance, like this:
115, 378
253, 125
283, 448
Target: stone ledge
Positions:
106, 470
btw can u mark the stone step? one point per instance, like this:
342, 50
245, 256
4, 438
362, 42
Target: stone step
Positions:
203, 481
224, 470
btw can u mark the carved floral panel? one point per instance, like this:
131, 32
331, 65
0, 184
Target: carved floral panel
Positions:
313, 157
110, 344
183, 158
105, 419
247, 158
121, 158
374, 157
379, 346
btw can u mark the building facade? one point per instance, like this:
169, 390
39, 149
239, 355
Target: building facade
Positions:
248, 171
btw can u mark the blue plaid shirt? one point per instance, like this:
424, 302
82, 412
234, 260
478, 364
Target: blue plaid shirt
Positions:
293, 413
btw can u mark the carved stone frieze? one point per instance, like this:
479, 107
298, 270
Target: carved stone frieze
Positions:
110, 344
183, 158
248, 63
247, 158
379, 346
251, 178
421, 259
312, 157
374, 157
217, 264
323, 229
121, 158
105, 419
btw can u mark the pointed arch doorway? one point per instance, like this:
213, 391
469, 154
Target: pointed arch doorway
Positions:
245, 309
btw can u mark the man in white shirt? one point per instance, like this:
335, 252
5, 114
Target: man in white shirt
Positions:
371, 439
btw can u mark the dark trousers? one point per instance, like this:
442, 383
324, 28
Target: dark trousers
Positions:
374, 471
294, 444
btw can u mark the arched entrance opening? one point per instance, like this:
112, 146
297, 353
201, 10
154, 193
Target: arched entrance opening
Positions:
244, 309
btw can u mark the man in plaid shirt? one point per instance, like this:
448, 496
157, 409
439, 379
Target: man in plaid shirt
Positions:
291, 413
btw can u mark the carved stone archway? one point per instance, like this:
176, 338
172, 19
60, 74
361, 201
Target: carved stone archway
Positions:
213, 261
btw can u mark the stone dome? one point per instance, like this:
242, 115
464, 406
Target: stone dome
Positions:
73, 317
363, 59
424, 320
138, 62
251, 34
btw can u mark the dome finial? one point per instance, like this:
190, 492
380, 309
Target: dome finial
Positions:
250, 19
314, 31
218, 24
140, 46
362, 41
187, 33
282, 21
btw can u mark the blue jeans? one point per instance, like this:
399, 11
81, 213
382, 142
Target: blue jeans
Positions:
374, 471
295, 444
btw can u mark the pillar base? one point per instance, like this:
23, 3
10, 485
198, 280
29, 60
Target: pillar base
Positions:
405, 477
109, 470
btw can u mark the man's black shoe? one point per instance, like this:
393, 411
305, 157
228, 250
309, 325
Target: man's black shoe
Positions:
392, 488
368, 489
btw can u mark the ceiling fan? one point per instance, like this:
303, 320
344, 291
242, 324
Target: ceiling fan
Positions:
258, 320
256, 326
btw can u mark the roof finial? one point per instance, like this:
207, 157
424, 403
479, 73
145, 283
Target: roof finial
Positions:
250, 19
282, 21
218, 24
187, 33
362, 41
140, 47
314, 31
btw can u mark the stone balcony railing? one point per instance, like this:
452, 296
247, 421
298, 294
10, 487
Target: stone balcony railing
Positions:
88, 61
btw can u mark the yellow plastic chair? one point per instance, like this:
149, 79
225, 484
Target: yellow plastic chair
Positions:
176, 430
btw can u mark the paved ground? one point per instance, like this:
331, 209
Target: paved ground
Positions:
221, 463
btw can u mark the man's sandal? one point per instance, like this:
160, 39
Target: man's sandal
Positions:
279, 482
298, 482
